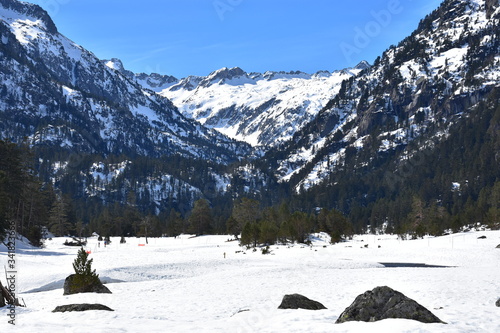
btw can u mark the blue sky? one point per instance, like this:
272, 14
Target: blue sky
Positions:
196, 37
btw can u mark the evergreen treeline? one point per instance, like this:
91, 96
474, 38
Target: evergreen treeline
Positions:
25, 202
279, 224
33, 207
443, 184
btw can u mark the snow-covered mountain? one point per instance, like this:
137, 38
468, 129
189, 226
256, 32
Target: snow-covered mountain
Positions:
260, 109
92, 125
416, 91
57, 93
156, 82
170, 141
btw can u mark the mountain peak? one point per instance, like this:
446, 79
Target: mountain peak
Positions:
117, 65
188, 83
322, 73
114, 63
222, 75
30, 10
156, 82
363, 65
226, 74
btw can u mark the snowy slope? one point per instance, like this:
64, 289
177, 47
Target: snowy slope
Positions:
63, 99
156, 82
260, 109
97, 108
90, 121
421, 87
186, 285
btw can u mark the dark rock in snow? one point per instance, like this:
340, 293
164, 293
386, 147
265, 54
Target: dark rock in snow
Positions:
498, 303
481, 237
384, 303
75, 285
297, 301
498, 246
81, 307
75, 242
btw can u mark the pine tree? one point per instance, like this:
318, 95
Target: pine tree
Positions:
268, 232
146, 225
22, 198
175, 224
232, 227
250, 234
59, 224
83, 269
201, 218
245, 211
300, 226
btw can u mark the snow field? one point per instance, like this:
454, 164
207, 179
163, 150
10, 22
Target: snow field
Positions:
186, 284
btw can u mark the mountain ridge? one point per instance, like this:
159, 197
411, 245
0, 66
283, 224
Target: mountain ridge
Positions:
260, 109
342, 139
368, 103
75, 79
263, 118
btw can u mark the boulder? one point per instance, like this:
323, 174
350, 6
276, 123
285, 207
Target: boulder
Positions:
498, 246
384, 303
75, 284
498, 303
75, 242
297, 301
81, 307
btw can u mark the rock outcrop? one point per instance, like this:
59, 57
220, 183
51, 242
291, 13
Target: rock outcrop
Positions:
75, 284
297, 301
384, 303
81, 307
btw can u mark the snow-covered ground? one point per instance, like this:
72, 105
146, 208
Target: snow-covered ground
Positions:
186, 284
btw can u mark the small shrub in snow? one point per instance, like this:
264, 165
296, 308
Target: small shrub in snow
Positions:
83, 267
266, 250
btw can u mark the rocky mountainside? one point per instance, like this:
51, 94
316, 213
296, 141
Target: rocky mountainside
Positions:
415, 92
260, 109
97, 133
57, 93
156, 82
416, 131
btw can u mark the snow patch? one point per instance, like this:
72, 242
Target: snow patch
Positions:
174, 275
